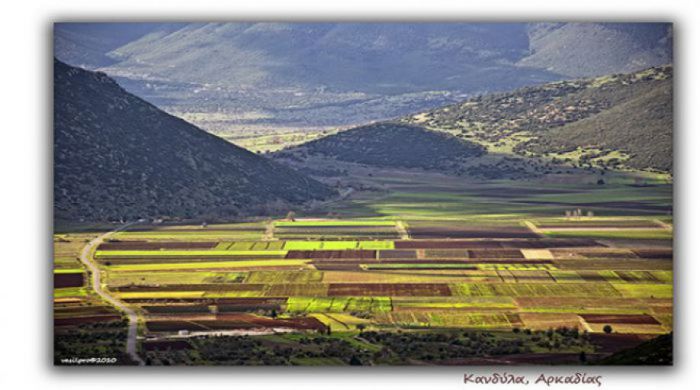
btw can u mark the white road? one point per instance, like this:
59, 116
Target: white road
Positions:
86, 258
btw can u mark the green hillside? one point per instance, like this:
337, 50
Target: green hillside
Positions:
618, 121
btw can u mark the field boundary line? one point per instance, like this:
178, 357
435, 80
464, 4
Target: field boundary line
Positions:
269, 231
403, 232
533, 227
664, 225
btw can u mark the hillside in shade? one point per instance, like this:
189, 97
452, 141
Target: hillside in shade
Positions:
390, 145
119, 157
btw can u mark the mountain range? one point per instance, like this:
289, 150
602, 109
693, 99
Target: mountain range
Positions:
230, 77
117, 157
619, 121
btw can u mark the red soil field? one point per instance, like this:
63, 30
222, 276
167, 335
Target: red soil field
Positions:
194, 287
445, 244
654, 253
235, 321
476, 244
388, 289
606, 254
610, 343
144, 245
84, 320
84, 311
465, 261
68, 280
222, 305
208, 301
546, 243
329, 254
456, 232
620, 319
436, 268
397, 254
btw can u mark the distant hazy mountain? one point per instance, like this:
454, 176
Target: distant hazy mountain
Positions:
118, 157
594, 49
89, 44
232, 75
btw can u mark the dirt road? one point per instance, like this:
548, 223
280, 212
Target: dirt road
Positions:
87, 259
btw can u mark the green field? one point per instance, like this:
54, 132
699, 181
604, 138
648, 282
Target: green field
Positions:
434, 256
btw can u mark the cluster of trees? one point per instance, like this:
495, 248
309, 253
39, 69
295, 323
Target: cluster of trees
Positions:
432, 347
100, 339
246, 350
392, 347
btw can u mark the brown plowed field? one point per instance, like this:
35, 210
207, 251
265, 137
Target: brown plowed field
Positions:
194, 287
397, 254
329, 254
234, 321
68, 280
654, 253
84, 320
389, 289
457, 232
487, 244
145, 245
615, 342
620, 319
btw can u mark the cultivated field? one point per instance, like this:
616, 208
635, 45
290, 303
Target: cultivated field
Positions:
499, 261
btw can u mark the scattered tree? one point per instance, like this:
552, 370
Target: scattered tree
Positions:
582, 357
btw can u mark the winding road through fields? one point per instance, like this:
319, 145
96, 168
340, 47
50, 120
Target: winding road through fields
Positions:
87, 259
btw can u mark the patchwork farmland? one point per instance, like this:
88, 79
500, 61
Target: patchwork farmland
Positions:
532, 281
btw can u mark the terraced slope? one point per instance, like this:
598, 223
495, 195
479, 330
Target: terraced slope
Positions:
118, 157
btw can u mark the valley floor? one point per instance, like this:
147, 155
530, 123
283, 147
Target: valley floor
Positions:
407, 268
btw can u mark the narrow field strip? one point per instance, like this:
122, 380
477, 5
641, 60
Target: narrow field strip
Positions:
189, 253
208, 265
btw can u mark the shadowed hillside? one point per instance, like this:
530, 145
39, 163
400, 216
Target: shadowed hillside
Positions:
118, 157
657, 352
391, 145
